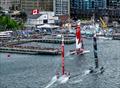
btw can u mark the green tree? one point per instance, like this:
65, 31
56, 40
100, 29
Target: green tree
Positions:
21, 25
8, 24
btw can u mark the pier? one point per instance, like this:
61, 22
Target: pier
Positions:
13, 45
43, 40
116, 36
30, 50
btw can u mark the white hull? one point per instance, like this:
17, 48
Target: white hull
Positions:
63, 79
79, 53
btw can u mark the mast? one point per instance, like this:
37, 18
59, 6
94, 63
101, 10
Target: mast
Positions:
62, 49
95, 45
95, 51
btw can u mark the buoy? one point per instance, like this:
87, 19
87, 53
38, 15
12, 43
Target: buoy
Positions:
8, 55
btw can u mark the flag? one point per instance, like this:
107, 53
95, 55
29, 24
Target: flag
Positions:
35, 11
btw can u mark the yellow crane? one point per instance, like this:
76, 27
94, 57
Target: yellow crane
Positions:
103, 24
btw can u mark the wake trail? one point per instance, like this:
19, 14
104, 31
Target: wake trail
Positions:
68, 56
53, 80
79, 79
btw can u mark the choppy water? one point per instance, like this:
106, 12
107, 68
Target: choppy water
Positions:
30, 71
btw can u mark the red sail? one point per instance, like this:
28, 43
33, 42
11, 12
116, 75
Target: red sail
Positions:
78, 34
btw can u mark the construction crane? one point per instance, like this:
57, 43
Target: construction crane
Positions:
103, 24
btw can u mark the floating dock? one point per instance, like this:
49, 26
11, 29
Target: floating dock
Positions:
31, 50
116, 36
55, 41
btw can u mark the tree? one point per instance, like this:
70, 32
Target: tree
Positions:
8, 23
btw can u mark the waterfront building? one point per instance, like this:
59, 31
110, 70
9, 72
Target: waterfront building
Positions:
42, 5
113, 3
46, 17
10, 4
61, 7
113, 10
85, 8
62, 10
16, 4
5, 4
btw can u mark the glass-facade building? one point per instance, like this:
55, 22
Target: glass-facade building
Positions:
85, 8
113, 3
87, 4
61, 7
114, 10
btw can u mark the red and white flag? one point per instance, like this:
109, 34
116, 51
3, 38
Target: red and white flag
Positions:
35, 11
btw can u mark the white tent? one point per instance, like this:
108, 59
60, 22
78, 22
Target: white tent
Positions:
47, 26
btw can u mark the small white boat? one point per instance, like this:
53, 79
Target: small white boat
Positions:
104, 38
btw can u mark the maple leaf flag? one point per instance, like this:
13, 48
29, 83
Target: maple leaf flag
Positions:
35, 11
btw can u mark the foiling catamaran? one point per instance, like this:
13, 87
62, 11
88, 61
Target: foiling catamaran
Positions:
63, 78
97, 69
79, 43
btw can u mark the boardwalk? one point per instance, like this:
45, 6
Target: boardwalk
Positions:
31, 50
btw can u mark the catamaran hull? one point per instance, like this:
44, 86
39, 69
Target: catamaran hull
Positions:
63, 79
73, 52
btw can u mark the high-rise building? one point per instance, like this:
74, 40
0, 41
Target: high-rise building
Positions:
16, 4
10, 4
113, 3
62, 7
85, 8
113, 10
42, 5
87, 4
5, 4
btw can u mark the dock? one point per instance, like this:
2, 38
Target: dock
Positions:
46, 40
30, 50
116, 36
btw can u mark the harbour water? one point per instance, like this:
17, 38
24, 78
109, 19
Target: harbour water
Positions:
36, 71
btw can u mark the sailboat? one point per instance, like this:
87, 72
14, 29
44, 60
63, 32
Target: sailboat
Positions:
65, 75
79, 43
97, 69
